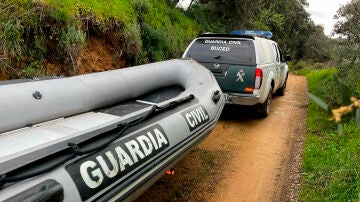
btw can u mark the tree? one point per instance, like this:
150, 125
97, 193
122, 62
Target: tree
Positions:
348, 52
297, 27
235, 14
348, 27
319, 48
349, 21
287, 19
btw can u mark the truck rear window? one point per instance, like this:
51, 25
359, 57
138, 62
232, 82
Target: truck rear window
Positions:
230, 51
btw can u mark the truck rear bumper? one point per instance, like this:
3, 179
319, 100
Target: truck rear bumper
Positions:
241, 99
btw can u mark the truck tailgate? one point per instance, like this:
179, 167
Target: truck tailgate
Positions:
232, 78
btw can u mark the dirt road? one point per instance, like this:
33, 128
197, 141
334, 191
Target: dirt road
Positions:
245, 158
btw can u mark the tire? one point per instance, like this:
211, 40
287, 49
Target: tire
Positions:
281, 90
264, 108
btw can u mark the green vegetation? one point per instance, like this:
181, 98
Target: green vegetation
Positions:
331, 163
36, 33
55, 31
33, 33
165, 32
287, 19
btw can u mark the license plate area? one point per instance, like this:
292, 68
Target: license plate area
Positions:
228, 98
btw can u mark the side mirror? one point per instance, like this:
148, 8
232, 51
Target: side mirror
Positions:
287, 58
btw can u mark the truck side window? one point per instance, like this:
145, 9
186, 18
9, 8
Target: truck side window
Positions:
277, 53
281, 55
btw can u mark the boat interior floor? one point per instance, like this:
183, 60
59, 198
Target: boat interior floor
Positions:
152, 98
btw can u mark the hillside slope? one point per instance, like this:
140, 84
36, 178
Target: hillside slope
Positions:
47, 37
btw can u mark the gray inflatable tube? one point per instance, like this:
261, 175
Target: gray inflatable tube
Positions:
99, 137
74, 95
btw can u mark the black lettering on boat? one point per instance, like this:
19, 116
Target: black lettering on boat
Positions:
97, 171
195, 116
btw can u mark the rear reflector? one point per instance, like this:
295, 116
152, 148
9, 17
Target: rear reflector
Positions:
258, 78
170, 171
249, 90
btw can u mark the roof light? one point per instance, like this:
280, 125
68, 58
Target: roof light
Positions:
260, 33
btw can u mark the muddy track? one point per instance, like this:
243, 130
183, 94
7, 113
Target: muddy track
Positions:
245, 158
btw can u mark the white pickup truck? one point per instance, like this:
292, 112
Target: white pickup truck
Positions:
248, 68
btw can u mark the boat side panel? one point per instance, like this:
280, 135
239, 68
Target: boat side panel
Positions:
178, 128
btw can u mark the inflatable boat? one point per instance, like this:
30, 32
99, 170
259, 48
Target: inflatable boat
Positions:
104, 136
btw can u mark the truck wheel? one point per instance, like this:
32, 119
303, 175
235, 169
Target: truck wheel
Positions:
264, 108
281, 90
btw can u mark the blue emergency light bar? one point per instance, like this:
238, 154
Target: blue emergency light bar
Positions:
259, 33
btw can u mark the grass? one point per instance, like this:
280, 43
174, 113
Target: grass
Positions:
171, 25
331, 164
170, 31
117, 9
56, 30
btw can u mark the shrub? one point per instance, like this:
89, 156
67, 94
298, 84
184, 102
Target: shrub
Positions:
329, 86
301, 64
155, 43
71, 42
34, 69
13, 43
165, 31
32, 31
351, 76
51, 30
141, 7
132, 44
205, 21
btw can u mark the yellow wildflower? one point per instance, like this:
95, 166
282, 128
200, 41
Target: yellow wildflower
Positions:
337, 113
356, 102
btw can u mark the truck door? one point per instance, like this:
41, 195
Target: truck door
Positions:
277, 67
282, 66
